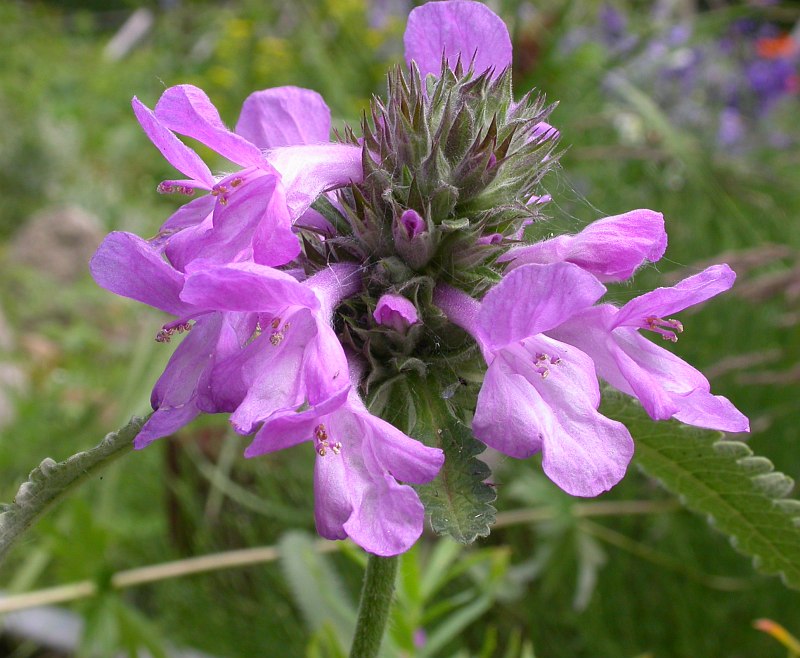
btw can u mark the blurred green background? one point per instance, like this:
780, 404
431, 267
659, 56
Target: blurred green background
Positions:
683, 107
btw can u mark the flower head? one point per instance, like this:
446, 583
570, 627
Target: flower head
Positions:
323, 281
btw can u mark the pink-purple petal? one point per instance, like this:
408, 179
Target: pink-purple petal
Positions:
273, 241
286, 428
246, 287
612, 248
534, 298
175, 392
190, 214
174, 150
284, 116
308, 170
388, 518
266, 377
187, 110
543, 395
333, 489
129, 266
405, 458
457, 28
702, 409
506, 416
663, 302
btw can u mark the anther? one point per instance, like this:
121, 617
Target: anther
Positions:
169, 187
278, 335
667, 329
322, 444
168, 330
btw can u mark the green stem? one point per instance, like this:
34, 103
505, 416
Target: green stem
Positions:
373, 611
51, 481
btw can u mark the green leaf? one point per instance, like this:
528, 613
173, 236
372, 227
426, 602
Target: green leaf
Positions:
330, 212
741, 494
316, 588
458, 500
49, 482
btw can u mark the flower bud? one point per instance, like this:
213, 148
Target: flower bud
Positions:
414, 238
395, 311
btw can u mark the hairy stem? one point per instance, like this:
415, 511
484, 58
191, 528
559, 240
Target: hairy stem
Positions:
373, 610
51, 481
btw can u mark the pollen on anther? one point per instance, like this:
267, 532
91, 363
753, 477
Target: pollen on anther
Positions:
667, 329
166, 332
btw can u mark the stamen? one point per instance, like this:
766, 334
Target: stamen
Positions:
168, 330
227, 185
322, 443
543, 362
667, 329
277, 336
170, 187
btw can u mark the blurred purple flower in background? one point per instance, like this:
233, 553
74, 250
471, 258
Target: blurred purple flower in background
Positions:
739, 88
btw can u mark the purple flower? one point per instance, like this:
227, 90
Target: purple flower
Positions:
249, 213
612, 248
667, 386
297, 358
360, 459
129, 266
540, 394
732, 128
457, 29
